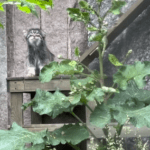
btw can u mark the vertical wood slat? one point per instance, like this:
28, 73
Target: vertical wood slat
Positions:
35, 118
16, 111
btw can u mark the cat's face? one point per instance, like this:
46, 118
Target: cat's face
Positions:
34, 37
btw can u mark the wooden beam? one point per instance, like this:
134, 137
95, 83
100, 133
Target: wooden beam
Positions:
125, 20
16, 111
144, 131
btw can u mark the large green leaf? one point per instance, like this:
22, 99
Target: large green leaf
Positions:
73, 134
100, 116
131, 103
138, 114
137, 72
17, 137
116, 6
54, 68
96, 94
130, 95
51, 104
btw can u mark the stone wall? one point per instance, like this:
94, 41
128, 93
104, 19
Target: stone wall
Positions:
3, 74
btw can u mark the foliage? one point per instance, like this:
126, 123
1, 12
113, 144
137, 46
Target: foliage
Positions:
18, 137
27, 6
125, 100
137, 72
53, 69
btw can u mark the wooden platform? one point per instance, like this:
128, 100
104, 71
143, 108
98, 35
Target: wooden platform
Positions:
20, 85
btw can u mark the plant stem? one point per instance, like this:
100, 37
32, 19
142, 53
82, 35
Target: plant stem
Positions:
85, 66
101, 66
84, 125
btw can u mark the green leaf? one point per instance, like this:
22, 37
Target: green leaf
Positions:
92, 29
17, 137
77, 52
54, 68
139, 115
42, 3
73, 134
99, 0
1, 7
96, 94
1, 26
131, 94
77, 15
51, 104
27, 7
76, 98
101, 116
114, 60
135, 72
131, 103
83, 90
97, 37
84, 5
116, 6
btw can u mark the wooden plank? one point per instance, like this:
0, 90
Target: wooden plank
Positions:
32, 85
16, 86
16, 111
10, 39
144, 131
125, 20
37, 77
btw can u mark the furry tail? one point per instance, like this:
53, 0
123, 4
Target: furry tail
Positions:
37, 69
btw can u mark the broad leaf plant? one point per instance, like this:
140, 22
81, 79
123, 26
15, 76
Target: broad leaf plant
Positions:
125, 101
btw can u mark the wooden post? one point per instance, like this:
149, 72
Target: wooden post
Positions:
16, 111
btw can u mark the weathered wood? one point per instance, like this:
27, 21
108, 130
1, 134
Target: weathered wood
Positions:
63, 85
35, 117
144, 131
37, 77
16, 86
10, 39
16, 111
125, 20
32, 85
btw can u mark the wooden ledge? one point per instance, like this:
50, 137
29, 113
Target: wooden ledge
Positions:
30, 84
144, 131
37, 77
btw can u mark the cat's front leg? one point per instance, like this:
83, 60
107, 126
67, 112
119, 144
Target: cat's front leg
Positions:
30, 71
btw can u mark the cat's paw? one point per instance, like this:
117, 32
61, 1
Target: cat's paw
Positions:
30, 72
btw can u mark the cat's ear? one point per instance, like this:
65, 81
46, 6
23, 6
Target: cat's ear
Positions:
43, 33
25, 33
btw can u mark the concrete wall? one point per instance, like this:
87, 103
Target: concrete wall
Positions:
62, 36
3, 74
136, 37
